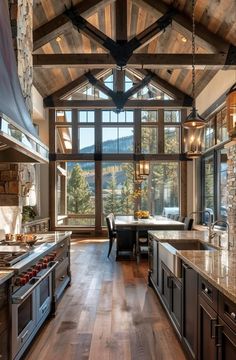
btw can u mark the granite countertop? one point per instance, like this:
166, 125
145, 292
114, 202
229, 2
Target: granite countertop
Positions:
5, 275
182, 235
218, 267
52, 236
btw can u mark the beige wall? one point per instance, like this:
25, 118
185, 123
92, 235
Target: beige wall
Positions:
220, 83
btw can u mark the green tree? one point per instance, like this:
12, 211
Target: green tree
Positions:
112, 203
78, 192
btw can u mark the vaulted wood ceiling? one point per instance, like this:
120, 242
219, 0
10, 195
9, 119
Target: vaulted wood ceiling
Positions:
215, 27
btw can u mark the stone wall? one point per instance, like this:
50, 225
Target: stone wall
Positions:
21, 15
231, 189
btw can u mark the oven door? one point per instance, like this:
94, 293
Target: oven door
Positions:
44, 298
23, 321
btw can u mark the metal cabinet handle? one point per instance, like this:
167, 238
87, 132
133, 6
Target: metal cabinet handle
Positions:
62, 245
23, 336
206, 290
62, 278
213, 328
233, 315
218, 337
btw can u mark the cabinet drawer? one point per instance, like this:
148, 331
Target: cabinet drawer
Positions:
61, 272
208, 293
62, 247
227, 311
3, 319
4, 345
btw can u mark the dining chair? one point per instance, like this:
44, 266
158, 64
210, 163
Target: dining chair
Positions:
180, 218
188, 223
110, 220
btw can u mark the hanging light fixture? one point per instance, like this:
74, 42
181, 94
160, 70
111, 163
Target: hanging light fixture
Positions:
142, 169
194, 123
231, 112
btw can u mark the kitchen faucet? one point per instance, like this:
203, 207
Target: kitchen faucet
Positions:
229, 244
209, 221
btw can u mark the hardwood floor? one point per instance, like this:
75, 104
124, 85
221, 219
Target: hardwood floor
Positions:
108, 312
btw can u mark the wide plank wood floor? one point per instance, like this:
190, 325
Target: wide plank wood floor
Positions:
108, 312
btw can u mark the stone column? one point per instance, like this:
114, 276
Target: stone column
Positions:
21, 16
231, 190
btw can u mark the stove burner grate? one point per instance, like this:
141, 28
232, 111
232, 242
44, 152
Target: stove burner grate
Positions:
10, 258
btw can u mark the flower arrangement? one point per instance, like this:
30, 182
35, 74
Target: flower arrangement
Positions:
141, 214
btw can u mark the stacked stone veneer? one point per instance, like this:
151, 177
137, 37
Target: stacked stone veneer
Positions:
231, 190
9, 185
22, 32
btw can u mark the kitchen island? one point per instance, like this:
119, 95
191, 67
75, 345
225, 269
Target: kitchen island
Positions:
32, 281
200, 299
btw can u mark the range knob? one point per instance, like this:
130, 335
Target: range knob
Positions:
34, 271
30, 273
39, 266
23, 280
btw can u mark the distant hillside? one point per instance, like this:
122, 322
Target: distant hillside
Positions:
110, 146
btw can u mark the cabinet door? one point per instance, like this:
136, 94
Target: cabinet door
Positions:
207, 321
165, 285
154, 263
175, 302
225, 341
189, 310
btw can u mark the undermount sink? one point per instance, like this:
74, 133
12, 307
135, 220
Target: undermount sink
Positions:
191, 245
168, 252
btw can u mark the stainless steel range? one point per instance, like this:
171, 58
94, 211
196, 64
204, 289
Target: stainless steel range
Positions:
31, 291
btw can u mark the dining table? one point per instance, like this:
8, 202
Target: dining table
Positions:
157, 222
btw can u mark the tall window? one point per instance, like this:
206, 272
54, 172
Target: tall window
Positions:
214, 184
161, 189
94, 144
76, 194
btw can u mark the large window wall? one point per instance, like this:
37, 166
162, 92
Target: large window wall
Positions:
214, 167
93, 160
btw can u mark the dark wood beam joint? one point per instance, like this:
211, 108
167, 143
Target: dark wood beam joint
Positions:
231, 56
153, 30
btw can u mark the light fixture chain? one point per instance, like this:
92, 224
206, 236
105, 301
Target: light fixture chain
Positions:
193, 54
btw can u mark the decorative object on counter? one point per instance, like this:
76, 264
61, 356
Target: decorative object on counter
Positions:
28, 213
194, 123
231, 112
141, 214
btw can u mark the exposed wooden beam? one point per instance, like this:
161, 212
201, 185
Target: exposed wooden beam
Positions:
61, 23
82, 25
151, 32
182, 23
121, 21
108, 104
119, 98
148, 61
72, 86
165, 86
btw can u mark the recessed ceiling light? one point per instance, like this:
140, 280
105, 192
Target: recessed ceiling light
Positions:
58, 39
183, 38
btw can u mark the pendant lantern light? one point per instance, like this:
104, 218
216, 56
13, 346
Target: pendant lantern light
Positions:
194, 123
142, 169
231, 112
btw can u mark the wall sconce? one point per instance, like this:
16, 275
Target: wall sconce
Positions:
231, 112
193, 142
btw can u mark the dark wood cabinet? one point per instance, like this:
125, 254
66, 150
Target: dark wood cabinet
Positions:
165, 285
175, 302
153, 261
225, 341
207, 329
4, 321
189, 310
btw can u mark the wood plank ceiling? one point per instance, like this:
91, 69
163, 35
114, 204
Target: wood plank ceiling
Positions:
218, 16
